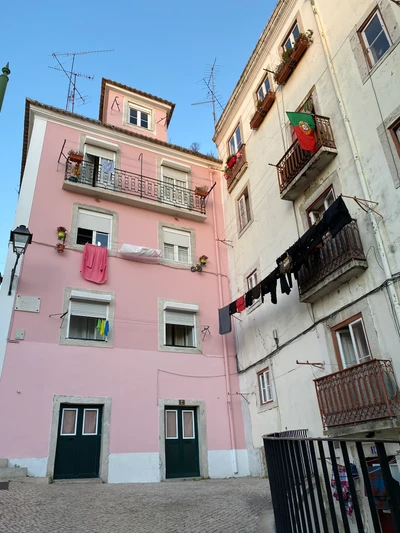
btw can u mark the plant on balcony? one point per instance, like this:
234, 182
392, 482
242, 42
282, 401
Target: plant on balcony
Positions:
203, 260
263, 106
75, 157
231, 161
291, 57
61, 231
75, 172
60, 247
199, 267
201, 191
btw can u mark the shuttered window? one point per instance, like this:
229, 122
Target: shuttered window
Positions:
180, 325
94, 228
100, 152
84, 315
180, 318
176, 245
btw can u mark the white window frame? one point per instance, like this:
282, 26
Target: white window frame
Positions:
244, 216
62, 422
365, 40
266, 392
193, 331
339, 341
291, 37
235, 138
95, 214
97, 420
139, 111
312, 213
164, 305
183, 424
253, 279
176, 424
176, 247
262, 87
89, 296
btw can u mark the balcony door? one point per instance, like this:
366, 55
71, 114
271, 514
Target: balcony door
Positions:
174, 187
99, 167
352, 343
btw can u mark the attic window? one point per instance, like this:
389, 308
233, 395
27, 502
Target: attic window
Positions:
139, 117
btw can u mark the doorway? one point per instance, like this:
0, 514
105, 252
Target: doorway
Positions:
181, 442
78, 442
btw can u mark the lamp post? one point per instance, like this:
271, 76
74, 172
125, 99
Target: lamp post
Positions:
20, 238
3, 82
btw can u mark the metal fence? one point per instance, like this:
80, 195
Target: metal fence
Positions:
314, 491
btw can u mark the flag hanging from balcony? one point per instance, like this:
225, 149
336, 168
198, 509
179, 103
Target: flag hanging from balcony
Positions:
304, 127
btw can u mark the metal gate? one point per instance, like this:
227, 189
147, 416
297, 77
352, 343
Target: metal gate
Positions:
316, 484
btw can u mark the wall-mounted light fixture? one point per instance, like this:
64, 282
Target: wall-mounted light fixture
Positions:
20, 238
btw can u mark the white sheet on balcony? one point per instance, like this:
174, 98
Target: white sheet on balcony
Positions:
139, 253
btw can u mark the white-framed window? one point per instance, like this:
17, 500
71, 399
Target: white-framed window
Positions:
264, 385
176, 245
235, 142
252, 280
139, 117
94, 228
188, 431
69, 421
90, 421
244, 209
171, 424
375, 38
175, 186
87, 316
317, 209
180, 325
352, 342
263, 89
290, 40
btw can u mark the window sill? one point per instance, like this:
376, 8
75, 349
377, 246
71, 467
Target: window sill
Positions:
245, 228
175, 264
87, 344
80, 248
252, 308
179, 349
139, 129
267, 406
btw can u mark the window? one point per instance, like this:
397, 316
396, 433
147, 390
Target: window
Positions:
85, 314
290, 40
318, 208
252, 280
351, 342
179, 328
264, 384
176, 245
93, 228
263, 89
174, 189
244, 209
98, 168
375, 38
395, 133
235, 142
139, 118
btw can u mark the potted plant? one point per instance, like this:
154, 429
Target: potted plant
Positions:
303, 41
61, 232
201, 191
75, 173
231, 161
285, 67
75, 157
60, 247
203, 260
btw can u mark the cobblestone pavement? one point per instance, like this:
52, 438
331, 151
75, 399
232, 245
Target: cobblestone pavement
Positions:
206, 506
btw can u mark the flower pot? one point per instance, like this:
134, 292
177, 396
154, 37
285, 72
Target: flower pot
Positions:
200, 192
73, 179
285, 73
75, 158
267, 102
257, 119
60, 248
232, 161
299, 50
61, 234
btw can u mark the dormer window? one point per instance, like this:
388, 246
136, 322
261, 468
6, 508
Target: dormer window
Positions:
139, 117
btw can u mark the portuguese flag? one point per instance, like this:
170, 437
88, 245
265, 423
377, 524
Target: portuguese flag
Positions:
304, 127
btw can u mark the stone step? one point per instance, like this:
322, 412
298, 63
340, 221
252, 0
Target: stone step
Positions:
3, 463
6, 474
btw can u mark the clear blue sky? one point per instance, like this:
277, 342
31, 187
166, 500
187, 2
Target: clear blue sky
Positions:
159, 47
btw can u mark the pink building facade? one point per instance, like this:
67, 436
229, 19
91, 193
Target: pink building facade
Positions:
157, 396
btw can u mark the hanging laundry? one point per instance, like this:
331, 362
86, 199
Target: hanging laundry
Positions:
225, 324
108, 166
268, 286
379, 491
256, 291
335, 217
106, 328
344, 484
98, 326
285, 289
240, 304
249, 298
103, 324
94, 263
232, 308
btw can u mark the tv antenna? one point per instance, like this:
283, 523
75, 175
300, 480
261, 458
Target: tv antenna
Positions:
212, 96
73, 91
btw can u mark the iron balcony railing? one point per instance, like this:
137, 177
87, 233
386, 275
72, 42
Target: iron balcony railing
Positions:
295, 159
360, 393
122, 181
233, 172
331, 256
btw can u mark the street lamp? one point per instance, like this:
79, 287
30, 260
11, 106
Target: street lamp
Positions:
20, 238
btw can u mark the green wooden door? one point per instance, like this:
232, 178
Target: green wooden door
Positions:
181, 442
78, 442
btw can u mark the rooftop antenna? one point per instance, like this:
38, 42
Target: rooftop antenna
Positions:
211, 93
73, 91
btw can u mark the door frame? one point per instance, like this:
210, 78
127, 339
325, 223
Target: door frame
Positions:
105, 430
201, 432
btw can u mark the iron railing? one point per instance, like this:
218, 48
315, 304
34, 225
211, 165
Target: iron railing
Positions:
295, 159
331, 256
316, 487
360, 393
234, 171
122, 181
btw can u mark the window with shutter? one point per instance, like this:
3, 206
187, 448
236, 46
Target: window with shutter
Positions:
93, 228
83, 317
176, 245
174, 189
96, 166
180, 325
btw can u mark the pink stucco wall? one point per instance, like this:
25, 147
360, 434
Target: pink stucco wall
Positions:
133, 373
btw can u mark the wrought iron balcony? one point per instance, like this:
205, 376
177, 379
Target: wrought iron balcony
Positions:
357, 394
235, 173
133, 189
332, 264
298, 167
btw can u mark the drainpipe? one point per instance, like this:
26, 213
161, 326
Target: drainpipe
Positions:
364, 184
224, 347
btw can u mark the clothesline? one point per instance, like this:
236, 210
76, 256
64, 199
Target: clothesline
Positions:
334, 219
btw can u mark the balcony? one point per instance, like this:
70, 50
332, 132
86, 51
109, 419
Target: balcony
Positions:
132, 189
298, 168
236, 172
331, 265
357, 394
